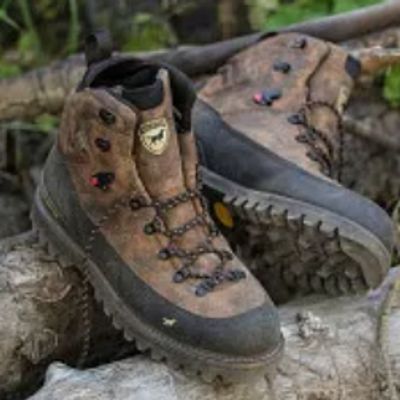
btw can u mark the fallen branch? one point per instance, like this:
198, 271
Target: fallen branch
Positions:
331, 354
331, 344
44, 90
40, 319
365, 131
375, 59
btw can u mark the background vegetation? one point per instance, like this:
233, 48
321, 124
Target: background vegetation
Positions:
35, 32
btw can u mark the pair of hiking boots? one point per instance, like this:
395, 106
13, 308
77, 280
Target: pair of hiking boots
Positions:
121, 198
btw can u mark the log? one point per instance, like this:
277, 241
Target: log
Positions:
371, 148
332, 353
332, 345
41, 317
13, 214
44, 90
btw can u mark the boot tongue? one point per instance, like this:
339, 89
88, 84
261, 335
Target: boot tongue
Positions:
159, 162
156, 148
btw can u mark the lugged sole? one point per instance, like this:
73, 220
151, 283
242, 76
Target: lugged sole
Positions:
192, 361
296, 248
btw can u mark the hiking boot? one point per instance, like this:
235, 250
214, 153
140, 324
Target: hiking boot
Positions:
269, 129
120, 198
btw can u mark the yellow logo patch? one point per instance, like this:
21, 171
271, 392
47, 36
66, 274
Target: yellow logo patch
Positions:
223, 215
154, 135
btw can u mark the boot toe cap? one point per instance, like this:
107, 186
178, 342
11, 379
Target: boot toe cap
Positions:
253, 333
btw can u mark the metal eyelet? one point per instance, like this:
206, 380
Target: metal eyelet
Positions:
164, 254
103, 144
219, 277
296, 119
107, 116
235, 275
150, 229
201, 290
210, 283
102, 180
136, 203
282, 66
181, 275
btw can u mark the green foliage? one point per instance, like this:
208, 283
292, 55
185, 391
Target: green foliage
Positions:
8, 70
49, 10
31, 36
74, 29
300, 10
258, 11
46, 123
149, 33
272, 14
31, 32
348, 5
177, 7
391, 87
5, 18
29, 49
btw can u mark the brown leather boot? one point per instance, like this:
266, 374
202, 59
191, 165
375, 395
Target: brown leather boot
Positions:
120, 197
269, 128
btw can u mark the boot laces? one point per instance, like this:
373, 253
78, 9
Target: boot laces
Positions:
209, 281
330, 155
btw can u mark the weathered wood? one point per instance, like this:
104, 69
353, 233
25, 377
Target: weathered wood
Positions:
376, 59
13, 214
41, 319
331, 344
371, 147
332, 353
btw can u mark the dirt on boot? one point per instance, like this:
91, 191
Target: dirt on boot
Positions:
269, 127
119, 198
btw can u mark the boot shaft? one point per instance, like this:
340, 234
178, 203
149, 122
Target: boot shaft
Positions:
120, 198
126, 143
288, 94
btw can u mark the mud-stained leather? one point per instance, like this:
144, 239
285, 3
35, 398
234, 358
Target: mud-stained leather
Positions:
317, 74
226, 335
137, 173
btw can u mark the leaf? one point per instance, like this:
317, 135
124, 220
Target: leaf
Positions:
348, 5
149, 33
7, 20
9, 70
47, 122
73, 34
391, 86
298, 11
259, 11
293, 11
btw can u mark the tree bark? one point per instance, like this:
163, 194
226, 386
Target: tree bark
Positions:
13, 215
332, 346
335, 349
41, 317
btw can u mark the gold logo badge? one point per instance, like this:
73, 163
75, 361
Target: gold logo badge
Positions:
154, 135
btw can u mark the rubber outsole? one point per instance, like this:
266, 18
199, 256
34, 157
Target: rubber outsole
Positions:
208, 366
296, 248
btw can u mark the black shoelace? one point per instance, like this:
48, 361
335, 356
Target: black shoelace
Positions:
209, 281
329, 160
